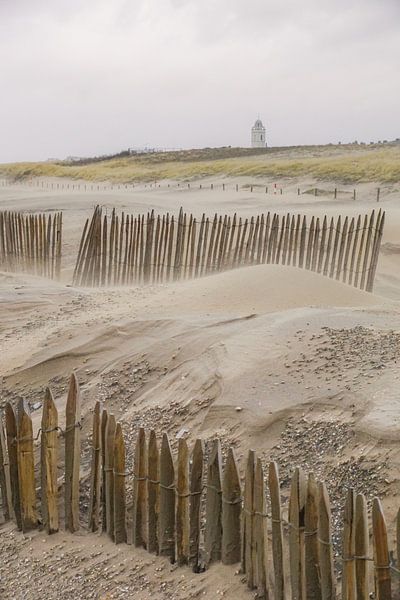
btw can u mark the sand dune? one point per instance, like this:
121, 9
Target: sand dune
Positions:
269, 357
257, 289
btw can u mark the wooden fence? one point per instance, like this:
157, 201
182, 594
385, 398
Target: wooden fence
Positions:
31, 243
275, 188
193, 507
121, 250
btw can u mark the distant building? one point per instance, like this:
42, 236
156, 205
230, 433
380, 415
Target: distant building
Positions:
258, 135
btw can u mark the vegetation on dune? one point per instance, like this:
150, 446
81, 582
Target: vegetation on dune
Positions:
347, 164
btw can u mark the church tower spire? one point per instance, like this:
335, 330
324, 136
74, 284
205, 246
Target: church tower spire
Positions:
258, 135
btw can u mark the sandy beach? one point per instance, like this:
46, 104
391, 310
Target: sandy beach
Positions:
301, 368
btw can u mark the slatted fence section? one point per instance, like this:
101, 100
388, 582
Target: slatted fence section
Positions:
31, 243
242, 522
126, 249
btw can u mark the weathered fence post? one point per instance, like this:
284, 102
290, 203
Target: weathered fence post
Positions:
297, 503
72, 455
361, 548
277, 534
348, 551
213, 533
313, 585
167, 501
182, 507
49, 458
248, 565
140, 492
231, 511
260, 533
11, 432
109, 473
26, 468
383, 582
153, 492
5, 483
196, 489
103, 503
325, 545
95, 471
119, 487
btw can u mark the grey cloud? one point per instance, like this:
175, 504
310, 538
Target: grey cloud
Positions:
95, 76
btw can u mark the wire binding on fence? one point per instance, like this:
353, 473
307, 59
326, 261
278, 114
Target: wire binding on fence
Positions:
236, 523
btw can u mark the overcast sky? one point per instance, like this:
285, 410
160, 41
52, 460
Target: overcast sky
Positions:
86, 77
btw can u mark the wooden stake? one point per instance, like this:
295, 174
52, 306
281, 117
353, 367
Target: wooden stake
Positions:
167, 501
213, 533
353, 252
325, 545
103, 502
248, 565
95, 472
260, 534
153, 492
328, 248
196, 488
140, 500
48, 460
26, 468
361, 548
303, 235
170, 246
315, 246
278, 250
360, 252
119, 487
375, 256
297, 502
197, 270
5, 483
310, 244
335, 246
231, 511
11, 433
343, 241
277, 533
291, 240
348, 550
347, 251
242, 242
182, 505
383, 582
313, 585
72, 455
367, 249
296, 249
109, 472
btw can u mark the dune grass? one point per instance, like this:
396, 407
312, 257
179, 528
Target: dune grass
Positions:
347, 164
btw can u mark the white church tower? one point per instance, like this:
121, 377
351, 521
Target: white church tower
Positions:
258, 135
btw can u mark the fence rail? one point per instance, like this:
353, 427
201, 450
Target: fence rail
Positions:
192, 506
126, 249
31, 243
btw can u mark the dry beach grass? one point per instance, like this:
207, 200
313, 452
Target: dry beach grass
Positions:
347, 164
